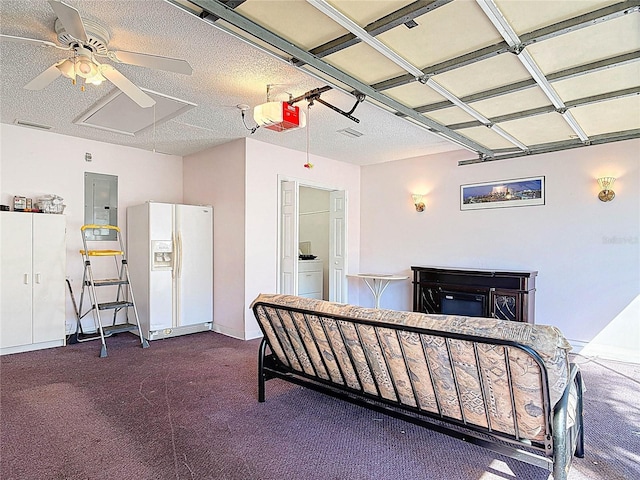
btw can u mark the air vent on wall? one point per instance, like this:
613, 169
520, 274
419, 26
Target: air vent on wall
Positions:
39, 126
118, 113
350, 132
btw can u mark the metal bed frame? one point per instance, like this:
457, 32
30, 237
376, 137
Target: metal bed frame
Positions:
553, 454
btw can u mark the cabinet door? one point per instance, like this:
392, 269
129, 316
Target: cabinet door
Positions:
15, 279
427, 298
309, 282
506, 305
49, 264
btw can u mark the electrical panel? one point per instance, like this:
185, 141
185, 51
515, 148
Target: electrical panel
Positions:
100, 205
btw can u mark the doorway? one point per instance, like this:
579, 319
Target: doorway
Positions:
312, 224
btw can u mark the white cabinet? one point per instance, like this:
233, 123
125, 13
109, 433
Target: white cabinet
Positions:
310, 279
32, 281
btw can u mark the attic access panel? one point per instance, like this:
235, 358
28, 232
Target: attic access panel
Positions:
118, 113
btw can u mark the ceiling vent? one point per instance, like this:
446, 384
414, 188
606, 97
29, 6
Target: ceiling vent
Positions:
118, 113
350, 132
38, 126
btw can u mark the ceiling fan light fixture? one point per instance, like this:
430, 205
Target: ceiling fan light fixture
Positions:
96, 79
85, 67
67, 68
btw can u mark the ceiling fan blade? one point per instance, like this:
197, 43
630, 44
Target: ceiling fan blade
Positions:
127, 87
45, 78
153, 61
30, 41
70, 19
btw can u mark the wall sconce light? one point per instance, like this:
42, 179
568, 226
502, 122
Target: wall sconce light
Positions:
418, 202
606, 189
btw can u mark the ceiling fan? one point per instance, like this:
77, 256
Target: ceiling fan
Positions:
87, 41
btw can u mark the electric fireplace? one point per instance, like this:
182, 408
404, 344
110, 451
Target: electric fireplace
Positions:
467, 304
507, 295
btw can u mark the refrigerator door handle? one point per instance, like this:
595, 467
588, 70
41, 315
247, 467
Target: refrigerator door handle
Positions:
179, 274
174, 257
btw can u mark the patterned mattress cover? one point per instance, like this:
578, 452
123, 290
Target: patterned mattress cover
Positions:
375, 359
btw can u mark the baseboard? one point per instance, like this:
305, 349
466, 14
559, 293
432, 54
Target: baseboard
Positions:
253, 334
608, 352
177, 331
31, 347
239, 334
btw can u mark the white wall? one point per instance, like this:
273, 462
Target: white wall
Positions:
587, 252
217, 177
240, 180
35, 163
265, 164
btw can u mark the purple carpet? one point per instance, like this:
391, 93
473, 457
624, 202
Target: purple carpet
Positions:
186, 408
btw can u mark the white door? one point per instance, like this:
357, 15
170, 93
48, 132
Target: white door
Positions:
289, 196
49, 267
16, 277
289, 238
194, 264
337, 247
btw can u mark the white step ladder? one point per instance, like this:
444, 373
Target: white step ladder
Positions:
124, 301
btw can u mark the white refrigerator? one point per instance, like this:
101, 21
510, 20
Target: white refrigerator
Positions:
170, 257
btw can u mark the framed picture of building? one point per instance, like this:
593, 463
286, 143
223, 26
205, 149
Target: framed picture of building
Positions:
519, 192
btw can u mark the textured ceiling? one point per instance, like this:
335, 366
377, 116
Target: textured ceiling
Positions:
588, 51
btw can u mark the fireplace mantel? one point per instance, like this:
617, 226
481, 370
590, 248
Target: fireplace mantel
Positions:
507, 295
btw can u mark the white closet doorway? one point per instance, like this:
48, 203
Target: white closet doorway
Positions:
312, 223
